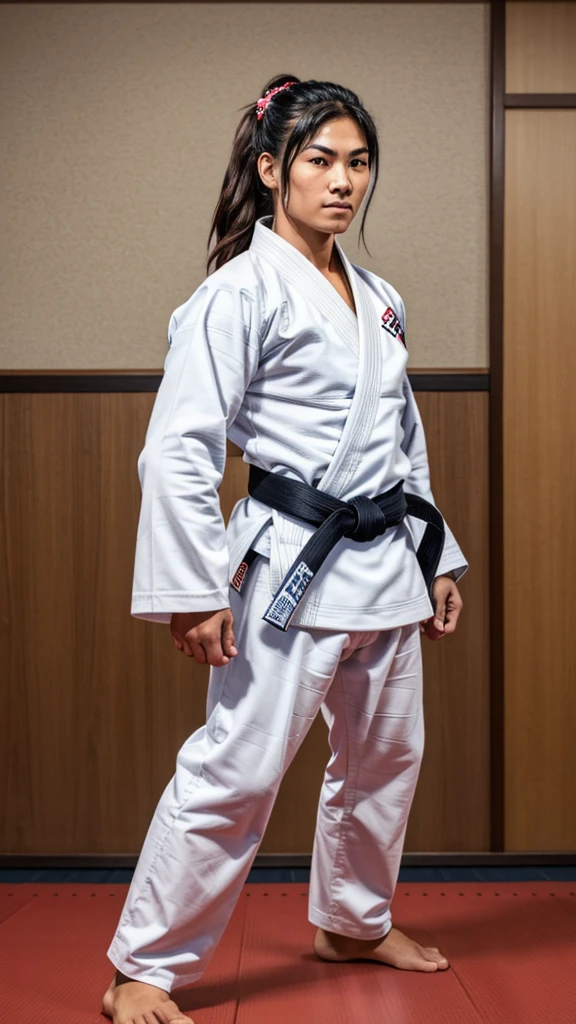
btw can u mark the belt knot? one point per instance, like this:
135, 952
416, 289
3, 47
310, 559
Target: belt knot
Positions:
370, 520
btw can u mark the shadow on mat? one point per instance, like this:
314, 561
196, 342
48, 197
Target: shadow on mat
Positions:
519, 927
305, 970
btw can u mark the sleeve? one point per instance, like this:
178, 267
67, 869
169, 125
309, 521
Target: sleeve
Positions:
452, 561
181, 561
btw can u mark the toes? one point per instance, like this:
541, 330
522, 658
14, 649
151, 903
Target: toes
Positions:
169, 1013
107, 1003
417, 964
433, 954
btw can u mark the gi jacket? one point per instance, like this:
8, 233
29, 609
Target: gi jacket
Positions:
267, 353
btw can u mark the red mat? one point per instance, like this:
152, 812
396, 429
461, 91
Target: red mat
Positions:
512, 949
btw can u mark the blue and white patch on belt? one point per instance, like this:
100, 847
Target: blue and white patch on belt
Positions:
287, 598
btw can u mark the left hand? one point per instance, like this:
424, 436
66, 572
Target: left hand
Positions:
447, 607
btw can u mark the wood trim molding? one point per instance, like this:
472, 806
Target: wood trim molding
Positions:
239, 1
114, 381
538, 100
496, 453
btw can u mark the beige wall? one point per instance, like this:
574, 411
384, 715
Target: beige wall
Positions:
117, 121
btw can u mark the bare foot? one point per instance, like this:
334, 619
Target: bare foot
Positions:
126, 999
395, 949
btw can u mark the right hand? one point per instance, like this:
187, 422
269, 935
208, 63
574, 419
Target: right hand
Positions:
206, 636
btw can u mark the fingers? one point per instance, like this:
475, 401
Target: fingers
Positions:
181, 644
454, 606
447, 607
197, 650
439, 616
430, 628
450, 624
210, 642
431, 631
228, 640
204, 647
217, 639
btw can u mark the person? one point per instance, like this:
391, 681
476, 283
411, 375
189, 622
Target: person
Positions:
315, 595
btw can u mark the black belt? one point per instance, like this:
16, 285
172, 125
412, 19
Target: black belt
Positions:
362, 519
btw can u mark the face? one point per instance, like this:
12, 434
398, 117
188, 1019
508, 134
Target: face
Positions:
328, 179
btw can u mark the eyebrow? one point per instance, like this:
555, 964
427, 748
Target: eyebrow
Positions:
331, 152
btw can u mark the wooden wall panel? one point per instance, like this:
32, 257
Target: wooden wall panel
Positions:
451, 809
97, 703
540, 47
540, 479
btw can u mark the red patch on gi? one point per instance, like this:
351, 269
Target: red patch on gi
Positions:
392, 324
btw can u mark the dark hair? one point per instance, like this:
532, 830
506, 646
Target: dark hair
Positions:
292, 118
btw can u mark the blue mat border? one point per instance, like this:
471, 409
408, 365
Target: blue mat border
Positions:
107, 876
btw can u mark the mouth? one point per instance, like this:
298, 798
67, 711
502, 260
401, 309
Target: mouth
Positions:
338, 206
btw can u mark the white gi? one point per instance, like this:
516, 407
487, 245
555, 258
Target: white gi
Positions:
267, 353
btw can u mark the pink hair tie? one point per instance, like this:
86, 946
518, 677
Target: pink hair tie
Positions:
263, 102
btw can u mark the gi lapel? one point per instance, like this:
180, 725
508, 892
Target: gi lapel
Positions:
297, 269
364, 405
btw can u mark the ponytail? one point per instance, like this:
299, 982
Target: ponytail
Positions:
291, 119
244, 197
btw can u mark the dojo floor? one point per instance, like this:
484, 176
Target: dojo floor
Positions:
512, 947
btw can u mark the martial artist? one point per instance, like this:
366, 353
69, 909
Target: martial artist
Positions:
314, 597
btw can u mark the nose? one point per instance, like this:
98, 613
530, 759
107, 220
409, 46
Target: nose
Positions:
340, 180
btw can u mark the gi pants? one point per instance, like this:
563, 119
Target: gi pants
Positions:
212, 815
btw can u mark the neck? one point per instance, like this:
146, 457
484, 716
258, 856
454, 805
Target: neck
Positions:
316, 246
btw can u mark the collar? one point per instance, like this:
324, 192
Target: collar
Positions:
287, 258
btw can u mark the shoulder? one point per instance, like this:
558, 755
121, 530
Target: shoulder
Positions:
383, 291
235, 289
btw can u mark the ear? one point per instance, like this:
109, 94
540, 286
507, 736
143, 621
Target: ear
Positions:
267, 170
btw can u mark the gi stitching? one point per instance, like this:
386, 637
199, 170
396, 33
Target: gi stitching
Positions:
349, 786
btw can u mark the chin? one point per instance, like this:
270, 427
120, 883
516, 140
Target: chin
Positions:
337, 222
326, 222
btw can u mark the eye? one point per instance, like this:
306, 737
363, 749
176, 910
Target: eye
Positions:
315, 158
357, 161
